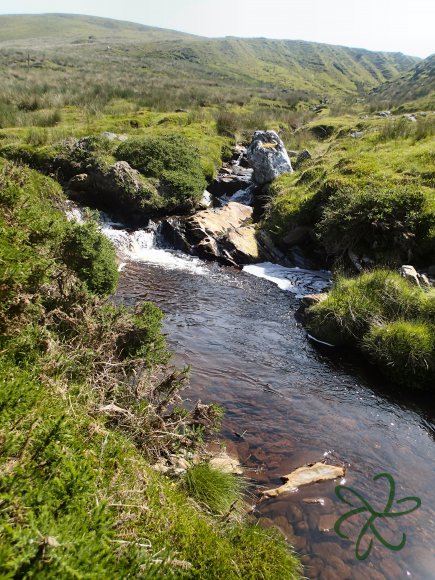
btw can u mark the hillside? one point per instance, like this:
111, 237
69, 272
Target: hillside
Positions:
56, 41
417, 84
52, 29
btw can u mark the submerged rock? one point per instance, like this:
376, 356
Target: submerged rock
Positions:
267, 156
304, 475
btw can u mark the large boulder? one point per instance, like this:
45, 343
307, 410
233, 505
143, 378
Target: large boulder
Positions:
267, 156
223, 234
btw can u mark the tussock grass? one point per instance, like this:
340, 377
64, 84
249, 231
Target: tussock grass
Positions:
392, 321
217, 490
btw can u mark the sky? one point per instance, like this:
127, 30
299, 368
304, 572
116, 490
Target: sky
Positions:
392, 25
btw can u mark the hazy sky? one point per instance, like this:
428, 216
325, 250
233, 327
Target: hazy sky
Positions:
393, 25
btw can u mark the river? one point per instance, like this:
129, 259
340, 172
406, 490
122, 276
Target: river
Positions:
288, 403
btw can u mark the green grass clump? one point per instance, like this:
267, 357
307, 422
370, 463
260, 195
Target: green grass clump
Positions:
171, 158
405, 350
387, 317
35, 154
386, 221
213, 488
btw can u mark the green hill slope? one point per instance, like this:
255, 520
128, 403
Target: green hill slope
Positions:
417, 84
282, 64
24, 29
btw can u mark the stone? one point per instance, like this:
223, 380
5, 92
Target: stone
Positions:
226, 463
303, 156
424, 280
243, 244
314, 500
78, 182
357, 134
410, 273
109, 135
305, 475
215, 222
311, 299
327, 522
267, 156
206, 200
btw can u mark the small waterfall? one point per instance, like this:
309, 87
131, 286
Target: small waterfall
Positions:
142, 245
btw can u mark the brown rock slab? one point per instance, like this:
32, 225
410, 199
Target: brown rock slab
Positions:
304, 476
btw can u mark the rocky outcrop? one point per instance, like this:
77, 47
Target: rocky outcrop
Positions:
223, 234
410, 273
267, 156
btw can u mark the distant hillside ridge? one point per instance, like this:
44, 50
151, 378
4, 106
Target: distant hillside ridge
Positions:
416, 84
309, 67
21, 29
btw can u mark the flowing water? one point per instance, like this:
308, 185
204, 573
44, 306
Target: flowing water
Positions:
287, 403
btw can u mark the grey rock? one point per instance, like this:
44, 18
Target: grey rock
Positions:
424, 280
109, 135
206, 200
303, 156
410, 273
267, 156
357, 134
384, 114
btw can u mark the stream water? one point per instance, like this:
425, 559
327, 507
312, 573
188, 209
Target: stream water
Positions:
288, 403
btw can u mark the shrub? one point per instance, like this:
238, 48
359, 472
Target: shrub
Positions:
144, 339
91, 256
154, 155
387, 222
213, 488
94, 150
171, 158
404, 351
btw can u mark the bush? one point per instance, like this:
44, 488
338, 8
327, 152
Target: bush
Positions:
144, 339
91, 256
387, 222
171, 158
213, 488
154, 155
404, 351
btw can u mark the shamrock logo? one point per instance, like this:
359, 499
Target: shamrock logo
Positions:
370, 524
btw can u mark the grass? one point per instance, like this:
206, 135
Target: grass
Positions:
217, 490
388, 318
87, 403
372, 196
